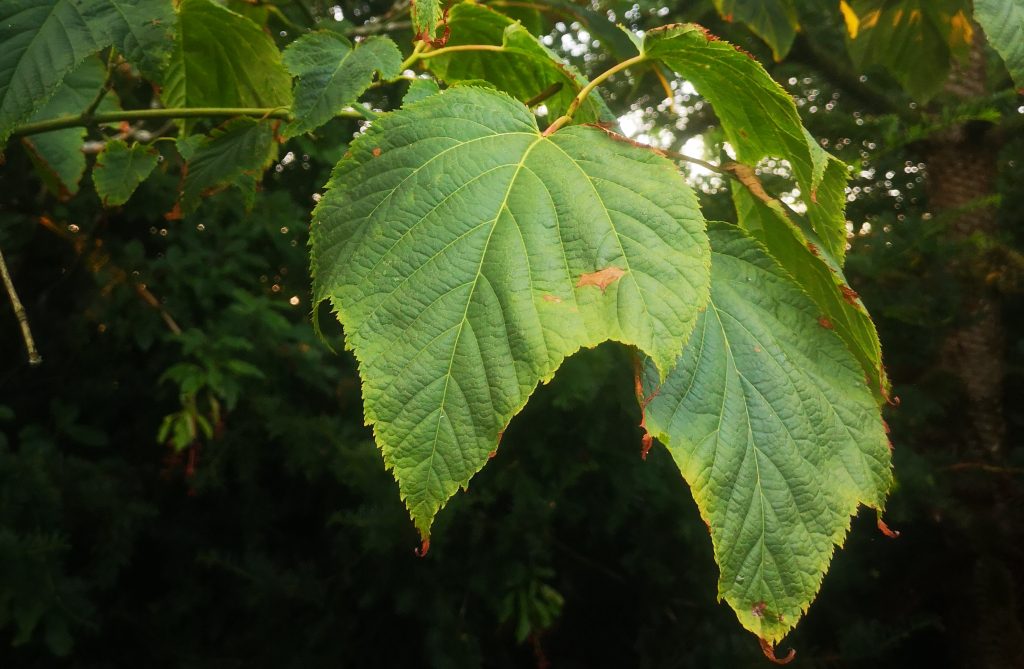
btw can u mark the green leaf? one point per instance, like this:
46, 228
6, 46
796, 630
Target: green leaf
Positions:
808, 261
524, 68
1003, 22
43, 40
58, 154
425, 16
912, 40
774, 21
419, 89
146, 37
467, 255
332, 74
222, 59
120, 169
771, 425
236, 153
758, 117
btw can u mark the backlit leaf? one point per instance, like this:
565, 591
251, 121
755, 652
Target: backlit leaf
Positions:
911, 40
524, 68
454, 243
774, 21
758, 117
332, 74
222, 59
769, 420
425, 16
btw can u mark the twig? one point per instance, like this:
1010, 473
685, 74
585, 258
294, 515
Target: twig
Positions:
19, 312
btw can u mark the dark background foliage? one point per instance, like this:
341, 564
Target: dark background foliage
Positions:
280, 541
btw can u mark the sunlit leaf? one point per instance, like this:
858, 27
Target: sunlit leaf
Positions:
461, 250
1003, 21
769, 420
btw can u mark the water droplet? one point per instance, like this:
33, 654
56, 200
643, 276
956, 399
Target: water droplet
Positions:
284, 230
294, 301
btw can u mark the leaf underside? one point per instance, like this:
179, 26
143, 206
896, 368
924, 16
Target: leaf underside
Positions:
455, 242
758, 117
769, 420
525, 69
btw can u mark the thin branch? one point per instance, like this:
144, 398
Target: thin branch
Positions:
79, 120
19, 312
586, 90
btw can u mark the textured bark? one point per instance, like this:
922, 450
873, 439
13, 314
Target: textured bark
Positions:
962, 171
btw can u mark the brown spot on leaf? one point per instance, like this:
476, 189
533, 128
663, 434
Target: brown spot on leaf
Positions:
759, 609
601, 278
376, 152
849, 294
826, 323
813, 248
554, 299
769, 652
757, 349
174, 214
743, 133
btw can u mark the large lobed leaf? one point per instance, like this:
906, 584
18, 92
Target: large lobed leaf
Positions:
222, 59
524, 68
43, 40
1003, 21
769, 420
332, 73
467, 255
758, 117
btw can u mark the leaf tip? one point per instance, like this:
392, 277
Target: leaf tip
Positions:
769, 651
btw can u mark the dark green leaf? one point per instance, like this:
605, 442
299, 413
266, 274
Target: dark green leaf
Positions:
236, 153
120, 169
332, 74
221, 59
774, 21
1003, 21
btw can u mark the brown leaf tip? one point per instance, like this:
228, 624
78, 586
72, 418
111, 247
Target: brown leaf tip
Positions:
601, 278
884, 529
769, 652
424, 548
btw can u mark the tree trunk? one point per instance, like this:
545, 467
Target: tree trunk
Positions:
962, 164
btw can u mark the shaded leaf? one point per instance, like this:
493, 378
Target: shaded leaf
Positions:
911, 40
523, 69
451, 243
236, 153
120, 169
1003, 22
222, 59
58, 154
43, 40
774, 21
332, 74
772, 427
